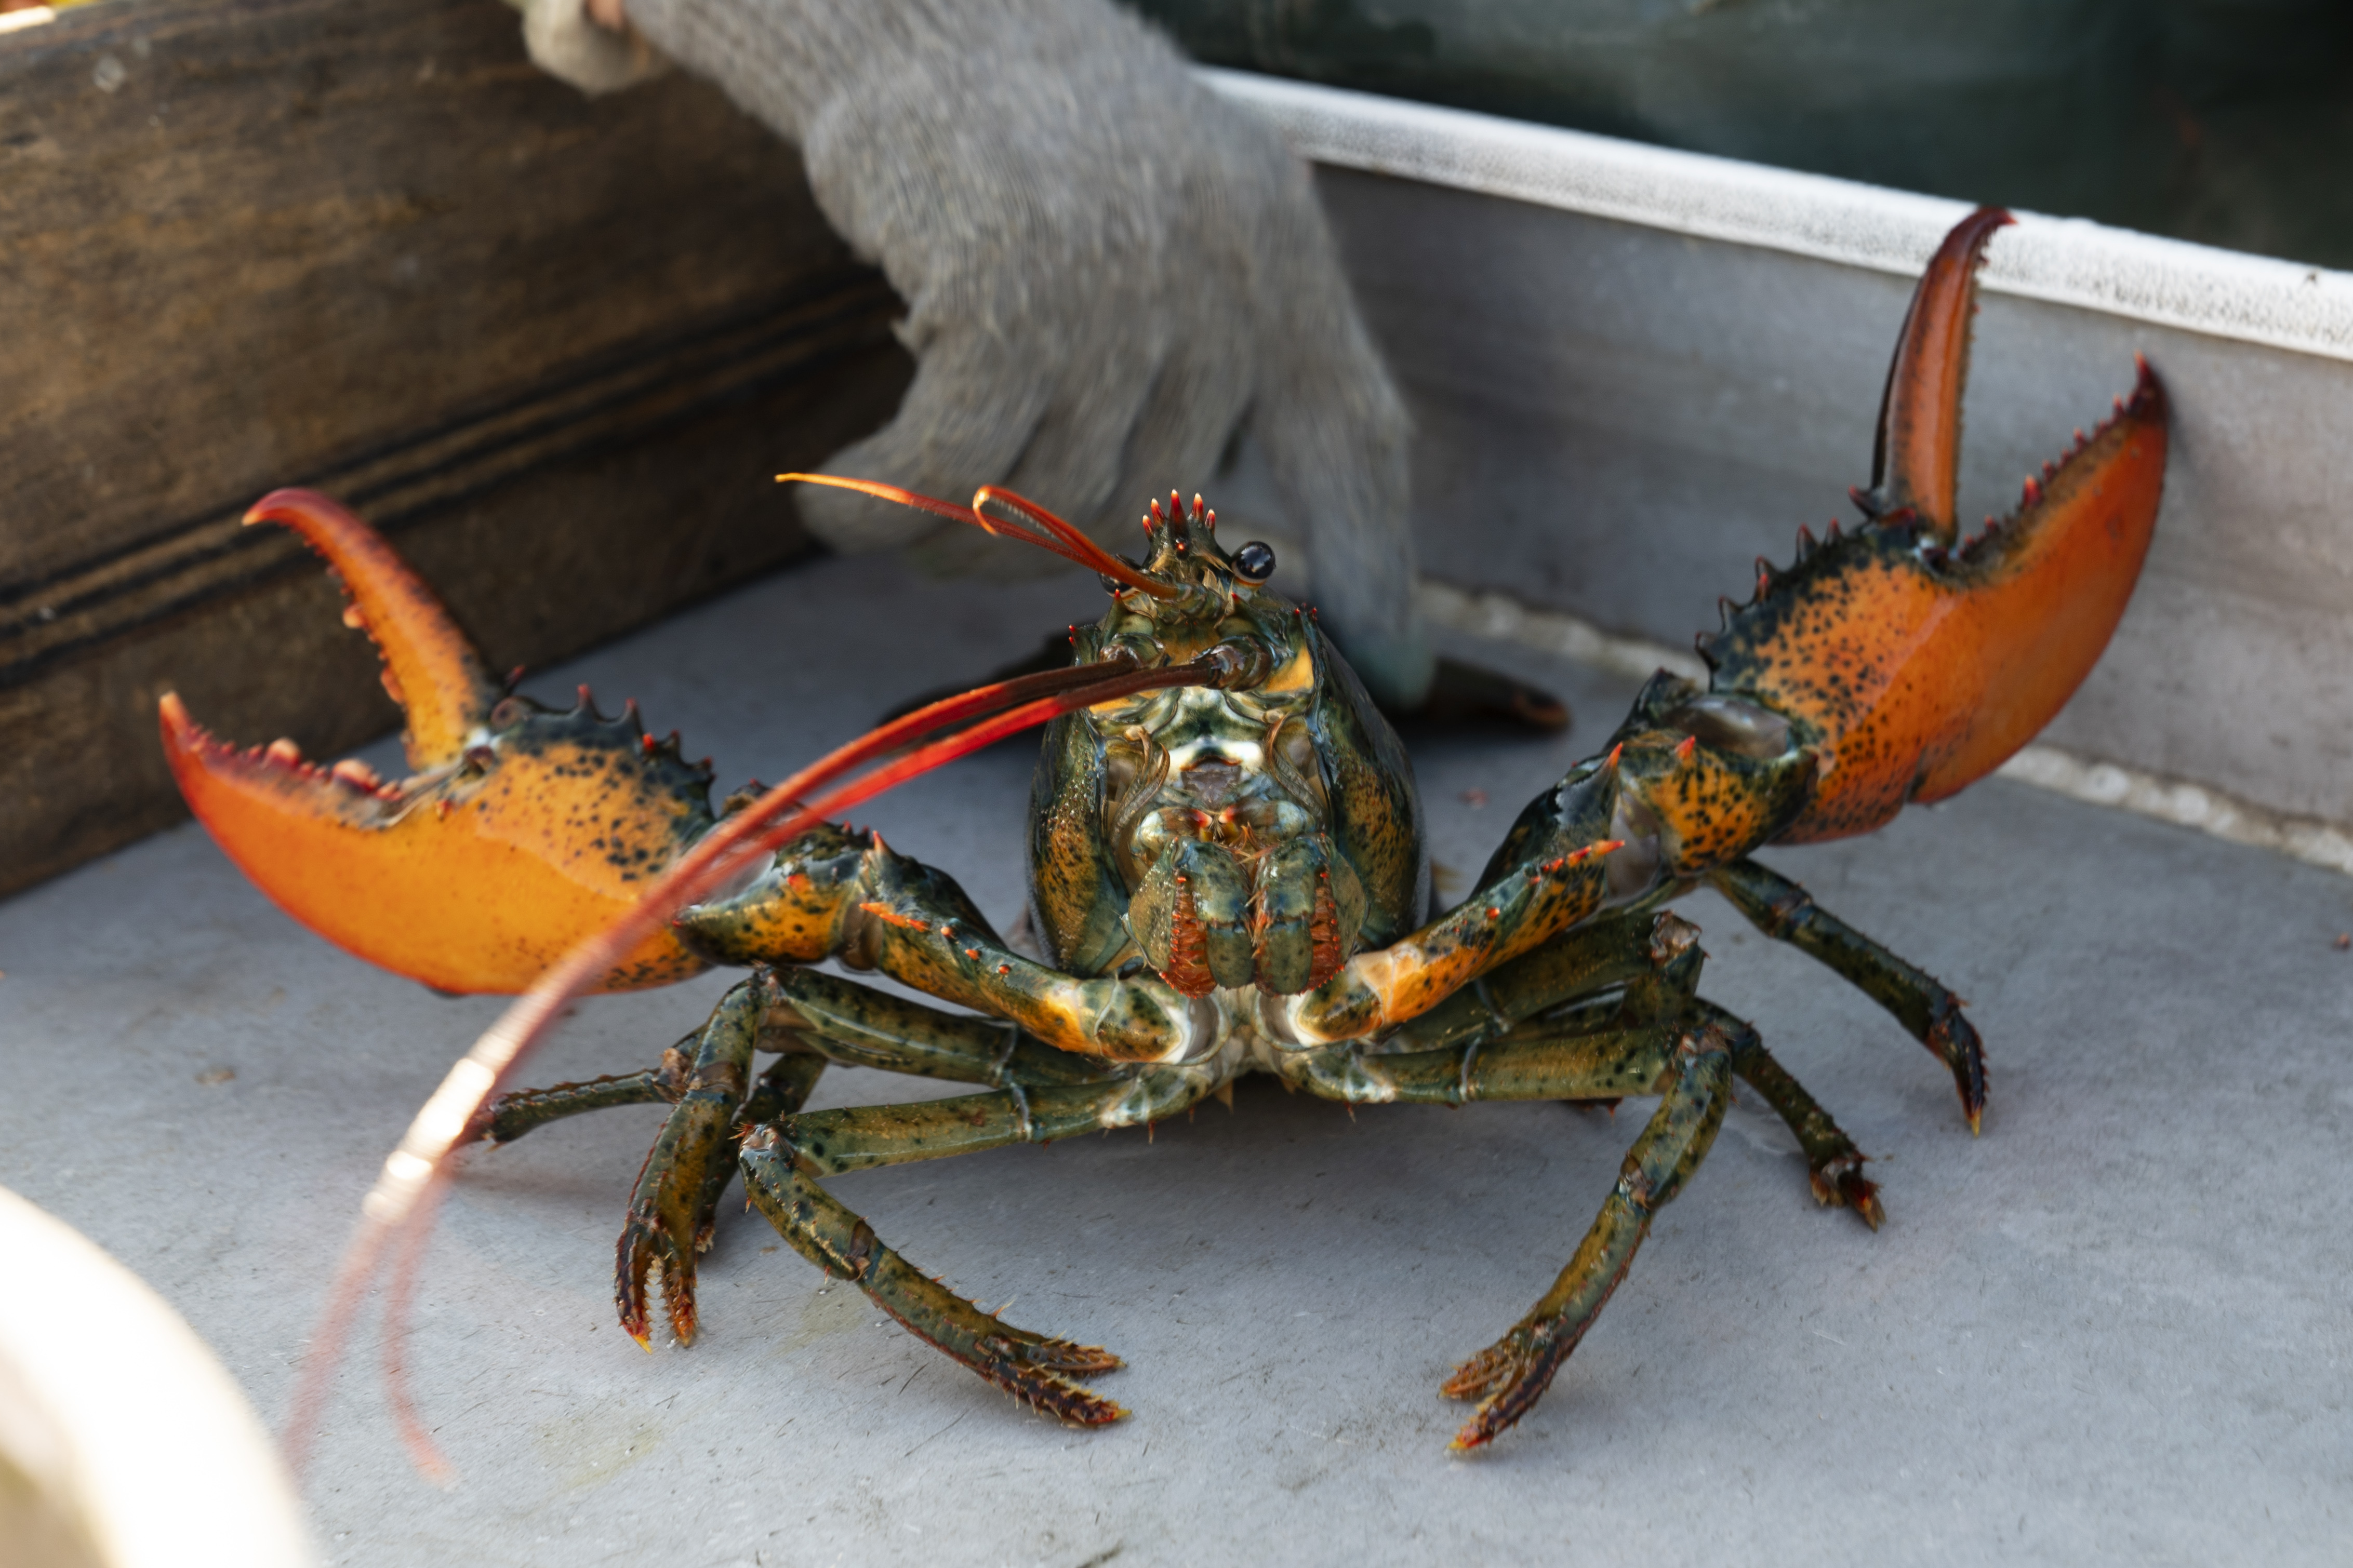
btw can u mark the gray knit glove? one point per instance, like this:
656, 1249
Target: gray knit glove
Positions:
1108, 271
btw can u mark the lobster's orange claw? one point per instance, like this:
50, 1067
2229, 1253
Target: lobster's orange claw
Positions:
523, 830
430, 667
1916, 460
1911, 667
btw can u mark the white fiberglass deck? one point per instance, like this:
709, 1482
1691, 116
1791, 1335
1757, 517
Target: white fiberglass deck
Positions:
2113, 1330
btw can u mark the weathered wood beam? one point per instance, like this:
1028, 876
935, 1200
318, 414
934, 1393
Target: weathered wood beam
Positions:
557, 347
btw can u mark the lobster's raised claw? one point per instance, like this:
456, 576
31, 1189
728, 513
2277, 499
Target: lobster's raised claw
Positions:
1911, 665
523, 831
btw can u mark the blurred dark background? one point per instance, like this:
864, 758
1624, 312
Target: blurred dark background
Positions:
2225, 121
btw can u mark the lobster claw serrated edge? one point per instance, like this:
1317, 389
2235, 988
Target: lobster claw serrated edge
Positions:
1913, 662
523, 829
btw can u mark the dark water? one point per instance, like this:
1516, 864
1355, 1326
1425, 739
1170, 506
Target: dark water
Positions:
2225, 121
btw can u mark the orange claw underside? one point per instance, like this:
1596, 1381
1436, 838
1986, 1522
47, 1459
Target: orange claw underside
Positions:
2023, 637
1921, 681
1912, 664
524, 830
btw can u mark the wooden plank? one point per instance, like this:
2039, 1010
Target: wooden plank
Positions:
557, 347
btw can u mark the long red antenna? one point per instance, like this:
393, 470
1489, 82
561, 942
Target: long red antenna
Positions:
405, 1190
1036, 525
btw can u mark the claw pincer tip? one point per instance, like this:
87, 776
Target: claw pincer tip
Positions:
472, 884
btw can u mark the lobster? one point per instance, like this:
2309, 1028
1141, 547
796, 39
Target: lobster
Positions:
1226, 871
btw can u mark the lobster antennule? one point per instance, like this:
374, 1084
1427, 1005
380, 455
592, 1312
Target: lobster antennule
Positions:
430, 666
1915, 460
1037, 525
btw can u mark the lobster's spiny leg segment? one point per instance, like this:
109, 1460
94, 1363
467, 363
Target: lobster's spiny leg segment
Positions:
860, 1027
1509, 1376
835, 894
1035, 1369
1597, 1013
783, 1165
522, 1111
1834, 1164
687, 1169
811, 1018
1786, 912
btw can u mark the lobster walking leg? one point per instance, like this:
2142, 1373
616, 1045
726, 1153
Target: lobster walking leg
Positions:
1663, 990
1651, 1048
1585, 961
813, 1018
1833, 1162
1509, 1376
860, 1027
1786, 912
862, 1138
776, 1092
780, 1090
692, 1159
1606, 1064
1671, 990
523, 1110
782, 1164
1029, 1366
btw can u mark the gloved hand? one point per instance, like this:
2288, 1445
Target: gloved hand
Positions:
1107, 272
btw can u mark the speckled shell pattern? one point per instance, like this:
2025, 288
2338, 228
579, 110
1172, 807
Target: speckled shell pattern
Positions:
1096, 883
523, 829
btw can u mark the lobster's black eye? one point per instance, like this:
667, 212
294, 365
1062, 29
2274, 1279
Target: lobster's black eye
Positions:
1254, 561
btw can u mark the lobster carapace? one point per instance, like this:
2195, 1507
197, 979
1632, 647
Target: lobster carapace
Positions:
1226, 869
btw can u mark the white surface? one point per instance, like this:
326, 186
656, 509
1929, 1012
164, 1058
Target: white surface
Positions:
2065, 261
155, 1447
2113, 1330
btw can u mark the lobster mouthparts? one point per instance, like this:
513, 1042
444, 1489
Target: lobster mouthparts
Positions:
521, 830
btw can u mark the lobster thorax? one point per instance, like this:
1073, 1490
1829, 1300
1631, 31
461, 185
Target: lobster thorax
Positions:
1223, 838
